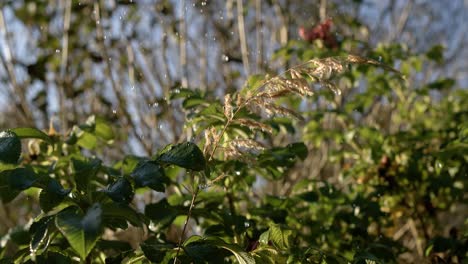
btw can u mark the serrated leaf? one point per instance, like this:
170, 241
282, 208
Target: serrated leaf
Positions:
150, 174
120, 191
186, 155
280, 236
28, 132
81, 231
10, 147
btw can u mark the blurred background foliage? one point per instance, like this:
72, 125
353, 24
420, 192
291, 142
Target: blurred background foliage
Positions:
386, 172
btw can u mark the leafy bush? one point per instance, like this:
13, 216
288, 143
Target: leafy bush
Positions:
238, 187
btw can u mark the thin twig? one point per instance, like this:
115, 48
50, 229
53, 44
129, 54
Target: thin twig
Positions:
63, 63
242, 36
183, 45
259, 34
189, 215
115, 85
8, 62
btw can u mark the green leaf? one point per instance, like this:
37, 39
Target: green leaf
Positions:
280, 237
28, 132
155, 250
111, 211
40, 233
87, 140
85, 170
241, 256
309, 196
186, 155
52, 195
10, 147
104, 130
12, 182
81, 231
150, 174
162, 213
436, 53
253, 83
299, 149
19, 235
442, 84
120, 191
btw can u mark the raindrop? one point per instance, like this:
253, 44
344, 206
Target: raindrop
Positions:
225, 57
98, 22
246, 224
238, 173
114, 111
203, 3
439, 164
57, 51
380, 58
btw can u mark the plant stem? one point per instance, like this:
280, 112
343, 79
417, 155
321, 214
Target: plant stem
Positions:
189, 214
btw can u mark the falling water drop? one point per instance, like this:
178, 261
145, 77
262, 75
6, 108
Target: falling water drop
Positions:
114, 111
57, 51
380, 58
225, 57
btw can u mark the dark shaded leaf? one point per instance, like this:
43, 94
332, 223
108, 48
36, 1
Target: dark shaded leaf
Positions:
39, 232
186, 155
155, 250
162, 213
52, 195
10, 147
120, 191
112, 211
150, 174
12, 182
85, 170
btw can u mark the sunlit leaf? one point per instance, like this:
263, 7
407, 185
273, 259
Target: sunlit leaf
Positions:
81, 230
28, 132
